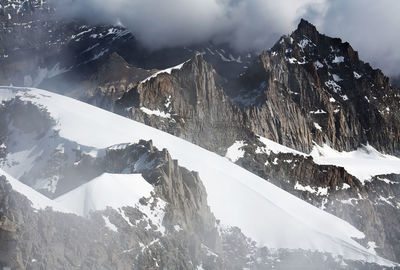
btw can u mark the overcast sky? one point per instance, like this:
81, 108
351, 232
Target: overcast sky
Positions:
371, 26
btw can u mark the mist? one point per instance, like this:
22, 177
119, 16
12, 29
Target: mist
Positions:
370, 26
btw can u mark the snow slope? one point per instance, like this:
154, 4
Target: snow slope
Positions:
114, 190
264, 212
363, 163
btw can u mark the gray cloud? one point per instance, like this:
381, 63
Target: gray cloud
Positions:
371, 26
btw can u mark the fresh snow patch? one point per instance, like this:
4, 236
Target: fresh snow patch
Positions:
155, 112
235, 151
371, 247
305, 42
319, 111
167, 102
292, 60
307, 188
271, 146
178, 228
168, 71
113, 190
331, 99
345, 186
318, 64
109, 225
322, 191
283, 220
344, 97
356, 75
333, 86
154, 215
319, 191
336, 78
387, 181
317, 126
362, 163
338, 59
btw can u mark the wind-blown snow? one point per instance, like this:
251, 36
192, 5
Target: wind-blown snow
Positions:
271, 146
168, 71
264, 212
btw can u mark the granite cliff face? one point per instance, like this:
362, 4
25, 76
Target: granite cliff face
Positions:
188, 103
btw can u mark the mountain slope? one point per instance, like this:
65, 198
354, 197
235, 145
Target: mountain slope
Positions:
296, 224
287, 101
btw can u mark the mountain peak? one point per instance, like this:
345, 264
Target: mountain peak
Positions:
306, 28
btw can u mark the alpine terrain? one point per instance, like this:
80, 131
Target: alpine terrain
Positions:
118, 156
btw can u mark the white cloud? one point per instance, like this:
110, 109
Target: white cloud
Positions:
370, 26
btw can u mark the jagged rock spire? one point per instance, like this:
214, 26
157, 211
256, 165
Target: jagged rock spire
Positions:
307, 29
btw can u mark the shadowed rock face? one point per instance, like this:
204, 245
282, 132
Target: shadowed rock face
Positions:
309, 78
194, 106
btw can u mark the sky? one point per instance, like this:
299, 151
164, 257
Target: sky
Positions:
372, 27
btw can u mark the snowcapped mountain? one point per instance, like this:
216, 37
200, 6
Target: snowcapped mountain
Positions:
281, 221
296, 164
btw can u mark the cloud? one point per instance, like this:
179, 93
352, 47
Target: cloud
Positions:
246, 24
370, 26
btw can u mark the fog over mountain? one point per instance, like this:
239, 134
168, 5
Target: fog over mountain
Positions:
252, 24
